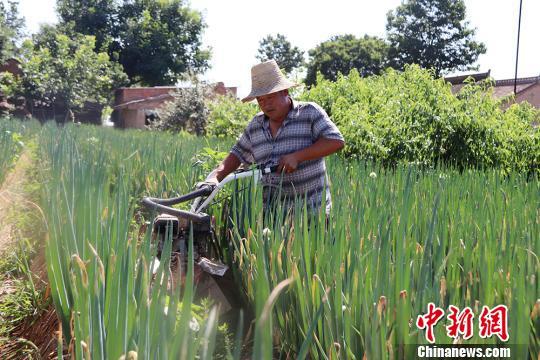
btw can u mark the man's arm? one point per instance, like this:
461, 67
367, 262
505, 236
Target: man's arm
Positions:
227, 166
321, 148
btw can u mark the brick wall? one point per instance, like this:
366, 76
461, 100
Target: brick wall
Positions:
11, 66
132, 115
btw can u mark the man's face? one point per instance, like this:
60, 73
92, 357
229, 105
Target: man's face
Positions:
275, 105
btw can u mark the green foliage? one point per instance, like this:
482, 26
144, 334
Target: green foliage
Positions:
11, 144
99, 264
342, 53
412, 117
94, 17
24, 300
432, 34
396, 240
11, 29
157, 42
46, 37
207, 159
21, 299
229, 117
186, 112
200, 313
59, 69
277, 47
160, 41
8, 84
522, 148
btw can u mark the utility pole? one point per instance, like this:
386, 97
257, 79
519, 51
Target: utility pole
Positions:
517, 50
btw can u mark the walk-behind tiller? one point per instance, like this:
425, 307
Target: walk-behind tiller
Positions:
175, 224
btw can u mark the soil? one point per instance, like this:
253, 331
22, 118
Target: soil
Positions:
39, 332
13, 198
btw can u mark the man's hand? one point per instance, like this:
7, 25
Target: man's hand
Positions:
212, 182
321, 148
288, 163
227, 166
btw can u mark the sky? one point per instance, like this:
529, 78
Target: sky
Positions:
235, 27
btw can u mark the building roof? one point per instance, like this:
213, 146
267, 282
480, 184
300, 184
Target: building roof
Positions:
501, 88
505, 87
140, 102
455, 80
139, 97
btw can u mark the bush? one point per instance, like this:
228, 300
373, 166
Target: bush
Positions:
186, 112
412, 117
229, 117
8, 84
65, 72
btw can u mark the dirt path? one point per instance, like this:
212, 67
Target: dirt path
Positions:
11, 192
14, 200
38, 331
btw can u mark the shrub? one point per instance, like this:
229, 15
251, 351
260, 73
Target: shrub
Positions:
186, 112
8, 84
412, 117
229, 117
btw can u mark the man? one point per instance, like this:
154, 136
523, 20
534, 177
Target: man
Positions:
296, 136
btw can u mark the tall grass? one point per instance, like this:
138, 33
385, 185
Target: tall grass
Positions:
396, 241
99, 267
13, 133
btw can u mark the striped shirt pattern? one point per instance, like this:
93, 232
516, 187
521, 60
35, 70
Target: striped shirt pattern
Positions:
305, 123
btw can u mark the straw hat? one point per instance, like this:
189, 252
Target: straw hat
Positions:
267, 78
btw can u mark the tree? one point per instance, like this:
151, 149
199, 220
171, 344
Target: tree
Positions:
160, 41
342, 53
280, 49
11, 29
157, 42
47, 37
91, 17
65, 70
433, 34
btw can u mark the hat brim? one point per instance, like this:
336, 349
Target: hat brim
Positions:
282, 86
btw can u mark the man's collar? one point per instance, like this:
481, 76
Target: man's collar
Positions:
292, 115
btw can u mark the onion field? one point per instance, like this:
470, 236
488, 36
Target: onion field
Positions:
348, 287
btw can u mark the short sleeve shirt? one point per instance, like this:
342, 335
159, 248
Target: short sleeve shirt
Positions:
305, 123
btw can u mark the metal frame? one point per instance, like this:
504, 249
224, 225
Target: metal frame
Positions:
196, 213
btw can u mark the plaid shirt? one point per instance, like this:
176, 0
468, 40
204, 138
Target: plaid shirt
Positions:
305, 123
